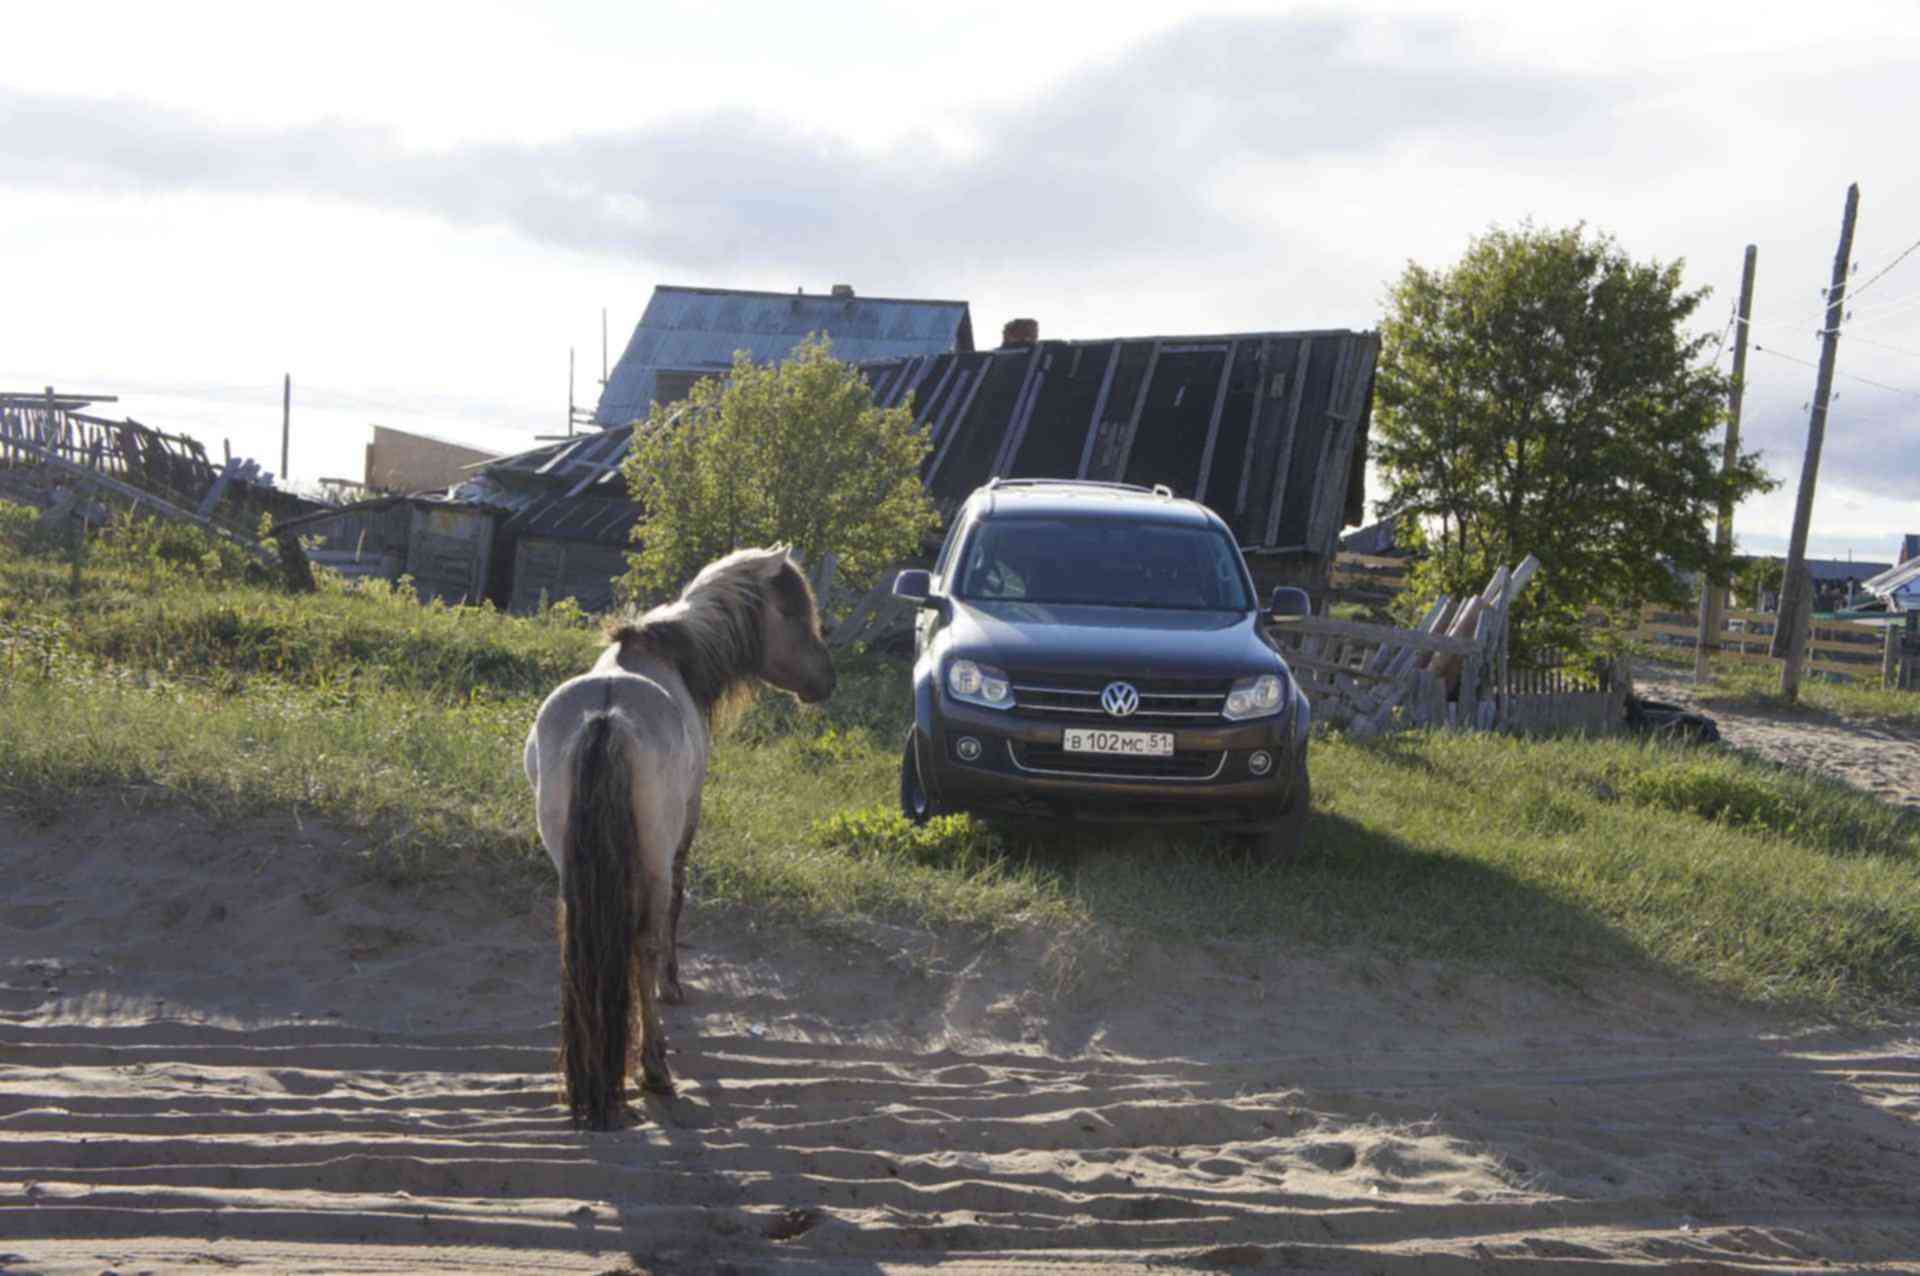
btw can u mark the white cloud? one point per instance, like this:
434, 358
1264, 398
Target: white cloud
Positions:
421, 207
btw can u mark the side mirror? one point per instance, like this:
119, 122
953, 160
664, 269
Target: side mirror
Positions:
915, 586
1290, 603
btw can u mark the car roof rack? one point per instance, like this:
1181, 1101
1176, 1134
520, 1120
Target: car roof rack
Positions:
1158, 489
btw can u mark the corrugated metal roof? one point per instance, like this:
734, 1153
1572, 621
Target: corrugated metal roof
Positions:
699, 329
1894, 580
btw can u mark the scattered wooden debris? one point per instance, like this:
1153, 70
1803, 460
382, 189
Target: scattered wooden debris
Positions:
1450, 670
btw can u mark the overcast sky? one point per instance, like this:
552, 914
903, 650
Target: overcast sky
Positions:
416, 209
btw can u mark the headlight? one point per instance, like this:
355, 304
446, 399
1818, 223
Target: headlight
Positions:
979, 684
1255, 697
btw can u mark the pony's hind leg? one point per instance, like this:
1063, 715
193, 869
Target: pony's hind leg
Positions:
670, 990
650, 956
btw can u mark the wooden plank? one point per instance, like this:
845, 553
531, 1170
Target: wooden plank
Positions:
924, 408
1260, 397
1388, 656
1289, 426
959, 421
1466, 715
1329, 498
1358, 672
1346, 559
1022, 410
1099, 410
1328, 627
1213, 424
1119, 470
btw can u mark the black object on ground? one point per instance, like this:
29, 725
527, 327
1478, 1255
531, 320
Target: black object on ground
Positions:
1670, 721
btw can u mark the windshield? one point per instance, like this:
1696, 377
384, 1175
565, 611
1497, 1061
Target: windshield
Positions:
1104, 561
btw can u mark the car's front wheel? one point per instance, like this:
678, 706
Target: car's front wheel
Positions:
914, 802
1286, 837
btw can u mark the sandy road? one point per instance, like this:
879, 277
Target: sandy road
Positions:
188, 1078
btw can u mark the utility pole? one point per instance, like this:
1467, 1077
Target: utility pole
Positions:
603, 347
1713, 593
1796, 603
286, 426
569, 391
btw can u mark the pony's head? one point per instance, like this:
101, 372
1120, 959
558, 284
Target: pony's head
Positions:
748, 615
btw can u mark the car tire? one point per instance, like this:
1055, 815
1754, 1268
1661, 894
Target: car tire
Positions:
1286, 837
915, 805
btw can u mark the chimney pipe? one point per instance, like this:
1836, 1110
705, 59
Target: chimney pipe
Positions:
1020, 332
843, 290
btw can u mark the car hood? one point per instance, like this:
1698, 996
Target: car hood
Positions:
1074, 638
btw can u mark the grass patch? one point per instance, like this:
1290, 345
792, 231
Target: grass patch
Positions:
1863, 701
1563, 858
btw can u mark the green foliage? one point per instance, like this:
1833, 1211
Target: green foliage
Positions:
794, 453
881, 832
1541, 396
1755, 576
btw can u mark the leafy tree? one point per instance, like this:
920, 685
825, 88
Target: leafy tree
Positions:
1542, 396
794, 452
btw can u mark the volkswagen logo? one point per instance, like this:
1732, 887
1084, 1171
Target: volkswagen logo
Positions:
1120, 699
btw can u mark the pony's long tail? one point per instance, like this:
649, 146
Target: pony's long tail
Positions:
602, 912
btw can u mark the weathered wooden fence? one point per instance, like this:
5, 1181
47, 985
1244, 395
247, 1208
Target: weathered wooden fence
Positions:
1844, 649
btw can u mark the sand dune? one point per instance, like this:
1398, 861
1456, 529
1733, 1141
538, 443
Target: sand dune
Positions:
223, 1046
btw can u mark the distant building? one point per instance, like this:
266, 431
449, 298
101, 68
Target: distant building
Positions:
690, 333
1899, 585
402, 461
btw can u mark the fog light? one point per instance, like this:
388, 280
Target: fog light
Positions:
968, 748
1259, 762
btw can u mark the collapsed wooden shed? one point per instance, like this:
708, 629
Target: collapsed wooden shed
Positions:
446, 546
1269, 429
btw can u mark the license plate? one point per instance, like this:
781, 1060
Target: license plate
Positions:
1138, 744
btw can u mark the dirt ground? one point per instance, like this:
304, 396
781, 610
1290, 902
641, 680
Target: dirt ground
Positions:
223, 1047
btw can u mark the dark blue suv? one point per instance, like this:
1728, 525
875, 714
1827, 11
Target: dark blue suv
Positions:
1096, 651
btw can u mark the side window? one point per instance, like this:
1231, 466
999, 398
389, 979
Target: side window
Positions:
944, 563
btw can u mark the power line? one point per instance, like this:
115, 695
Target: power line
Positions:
1881, 273
1868, 341
1912, 394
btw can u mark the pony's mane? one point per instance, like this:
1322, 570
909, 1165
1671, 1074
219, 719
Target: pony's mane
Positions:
713, 633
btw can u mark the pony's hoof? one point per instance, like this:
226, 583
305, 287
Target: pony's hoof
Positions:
661, 1085
672, 993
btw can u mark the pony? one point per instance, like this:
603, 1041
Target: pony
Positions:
617, 758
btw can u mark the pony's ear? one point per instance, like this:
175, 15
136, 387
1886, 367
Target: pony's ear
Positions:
791, 593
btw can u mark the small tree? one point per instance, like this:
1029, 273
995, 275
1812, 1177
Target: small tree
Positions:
795, 452
1541, 396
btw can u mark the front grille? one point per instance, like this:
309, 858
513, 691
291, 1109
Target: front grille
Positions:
1184, 764
1164, 702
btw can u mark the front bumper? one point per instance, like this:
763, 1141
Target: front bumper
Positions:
1020, 770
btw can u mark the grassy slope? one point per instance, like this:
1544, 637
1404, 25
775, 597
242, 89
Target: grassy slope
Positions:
1564, 857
